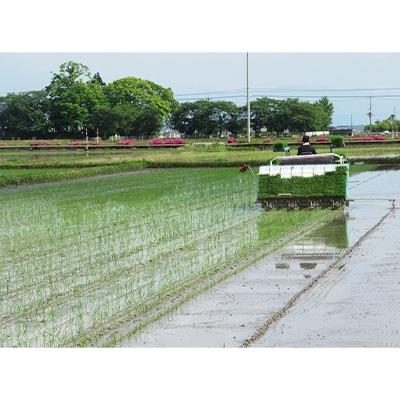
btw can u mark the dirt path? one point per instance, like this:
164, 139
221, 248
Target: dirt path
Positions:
234, 311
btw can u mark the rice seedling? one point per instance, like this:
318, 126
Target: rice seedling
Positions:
79, 257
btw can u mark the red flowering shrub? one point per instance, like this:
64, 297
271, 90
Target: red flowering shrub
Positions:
231, 140
125, 142
367, 138
322, 139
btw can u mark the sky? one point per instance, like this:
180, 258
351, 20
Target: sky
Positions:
223, 75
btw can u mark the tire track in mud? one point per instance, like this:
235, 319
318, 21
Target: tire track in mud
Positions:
337, 264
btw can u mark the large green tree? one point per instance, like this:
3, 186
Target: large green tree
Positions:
267, 113
300, 116
24, 115
291, 114
208, 118
143, 106
75, 96
323, 114
231, 118
182, 119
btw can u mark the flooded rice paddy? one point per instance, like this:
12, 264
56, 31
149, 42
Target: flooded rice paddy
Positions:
79, 260
354, 305
92, 262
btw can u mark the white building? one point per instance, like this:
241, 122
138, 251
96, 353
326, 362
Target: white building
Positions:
318, 133
170, 134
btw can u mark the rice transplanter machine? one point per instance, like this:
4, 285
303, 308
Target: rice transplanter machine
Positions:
307, 181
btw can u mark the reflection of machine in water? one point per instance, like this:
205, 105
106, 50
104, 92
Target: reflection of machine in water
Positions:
323, 243
308, 265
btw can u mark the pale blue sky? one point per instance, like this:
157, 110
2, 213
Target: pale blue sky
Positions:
225, 72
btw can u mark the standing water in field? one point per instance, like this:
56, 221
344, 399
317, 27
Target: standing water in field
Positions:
230, 313
80, 259
91, 262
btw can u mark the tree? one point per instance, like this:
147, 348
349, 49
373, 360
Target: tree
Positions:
291, 114
267, 113
182, 119
74, 97
208, 118
107, 120
300, 115
143, 105
97, 79
75, 101
323, 114
389, 124
24, 115
236, 123
230, 117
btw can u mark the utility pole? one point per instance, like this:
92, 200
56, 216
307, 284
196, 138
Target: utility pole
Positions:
248, 98
351, 122
370, 114
392, 119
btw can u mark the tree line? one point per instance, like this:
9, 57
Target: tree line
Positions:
390, 124
205, 117
76, 101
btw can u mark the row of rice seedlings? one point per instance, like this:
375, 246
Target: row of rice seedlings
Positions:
124, 262
89, 309
86, 218
86, 309
184, 229
100, 248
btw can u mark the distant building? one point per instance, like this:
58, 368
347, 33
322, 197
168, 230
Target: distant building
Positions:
341, 130
170, 134
317, 133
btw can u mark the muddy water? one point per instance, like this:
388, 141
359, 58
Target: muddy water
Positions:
366, 286
357, 306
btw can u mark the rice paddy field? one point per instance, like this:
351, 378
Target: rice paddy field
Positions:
87, 262
21, 167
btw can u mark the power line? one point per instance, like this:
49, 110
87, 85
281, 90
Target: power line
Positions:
326, 89
278, 96
242, 96
344, 96
272, 90
216, 92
